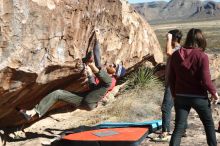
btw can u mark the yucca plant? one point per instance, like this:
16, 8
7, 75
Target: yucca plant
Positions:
142, 77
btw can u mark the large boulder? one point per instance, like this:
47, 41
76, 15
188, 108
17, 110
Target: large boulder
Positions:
42, 43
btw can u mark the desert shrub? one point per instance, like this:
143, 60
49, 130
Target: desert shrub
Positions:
142, 77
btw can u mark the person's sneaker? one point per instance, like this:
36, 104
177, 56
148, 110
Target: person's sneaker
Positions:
161, 138
31, 112
184, 134
28, 114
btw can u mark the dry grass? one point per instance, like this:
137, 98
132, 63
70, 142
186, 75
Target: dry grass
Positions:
138, 100
138, 104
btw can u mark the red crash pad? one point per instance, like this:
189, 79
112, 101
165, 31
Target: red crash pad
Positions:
109, 134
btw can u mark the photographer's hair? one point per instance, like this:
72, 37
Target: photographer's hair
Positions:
176, 35
195, 39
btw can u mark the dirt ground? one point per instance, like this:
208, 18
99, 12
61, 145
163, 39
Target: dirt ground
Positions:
49, 127
45, 129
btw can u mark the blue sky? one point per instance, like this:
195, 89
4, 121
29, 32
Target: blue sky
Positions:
139, 1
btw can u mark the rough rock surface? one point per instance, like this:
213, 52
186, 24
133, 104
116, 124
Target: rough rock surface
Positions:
42, 43
214, 61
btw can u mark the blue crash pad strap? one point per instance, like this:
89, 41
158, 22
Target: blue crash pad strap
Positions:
153, 124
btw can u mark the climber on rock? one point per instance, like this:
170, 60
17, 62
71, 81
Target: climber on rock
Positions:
99, 82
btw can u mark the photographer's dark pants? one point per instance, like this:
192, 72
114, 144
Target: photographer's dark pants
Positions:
166, 109
202, 106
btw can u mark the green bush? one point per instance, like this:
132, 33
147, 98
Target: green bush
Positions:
142, 77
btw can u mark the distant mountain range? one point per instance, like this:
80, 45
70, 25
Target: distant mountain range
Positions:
178, 10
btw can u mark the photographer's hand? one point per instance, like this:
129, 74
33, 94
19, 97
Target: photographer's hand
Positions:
215, 98
169, 50
169, 37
